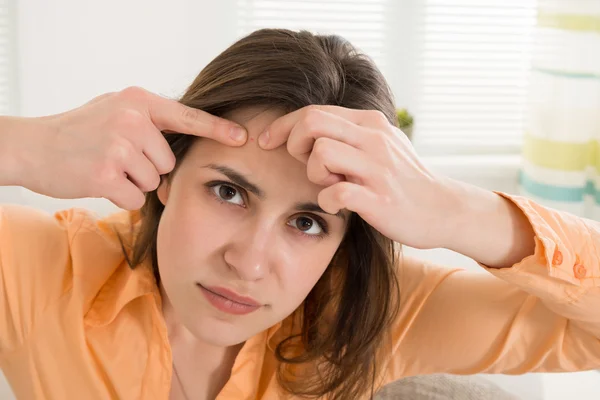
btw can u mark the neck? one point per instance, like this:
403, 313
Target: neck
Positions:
209, 364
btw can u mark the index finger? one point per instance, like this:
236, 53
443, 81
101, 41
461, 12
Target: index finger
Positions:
173, 116
279, 131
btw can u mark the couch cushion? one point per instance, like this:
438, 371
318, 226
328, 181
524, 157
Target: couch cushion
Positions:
443, 387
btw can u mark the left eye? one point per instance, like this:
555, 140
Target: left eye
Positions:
307, 225
229, 194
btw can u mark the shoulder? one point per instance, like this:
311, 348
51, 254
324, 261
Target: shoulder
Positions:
415, 270
70, 249
29, 232
24, 222
419, 277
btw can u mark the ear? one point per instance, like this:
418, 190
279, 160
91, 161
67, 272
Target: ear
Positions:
162, 192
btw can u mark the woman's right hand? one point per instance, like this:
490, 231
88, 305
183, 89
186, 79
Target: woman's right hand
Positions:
112, 146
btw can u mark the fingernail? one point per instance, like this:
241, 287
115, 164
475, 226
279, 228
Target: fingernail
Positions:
238, 134
263, 140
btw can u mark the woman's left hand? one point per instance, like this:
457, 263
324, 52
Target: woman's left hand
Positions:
370, 167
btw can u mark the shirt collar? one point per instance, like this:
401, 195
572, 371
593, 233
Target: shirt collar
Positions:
125, 284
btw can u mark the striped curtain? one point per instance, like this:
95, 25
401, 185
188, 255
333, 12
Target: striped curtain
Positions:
561, 153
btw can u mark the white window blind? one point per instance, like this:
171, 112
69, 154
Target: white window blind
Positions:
473, 68
362, 22
7, 58
461, 67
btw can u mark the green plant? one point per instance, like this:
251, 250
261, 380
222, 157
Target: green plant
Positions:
405, 119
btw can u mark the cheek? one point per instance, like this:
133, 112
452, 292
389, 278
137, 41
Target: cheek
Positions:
187, 234
302, 272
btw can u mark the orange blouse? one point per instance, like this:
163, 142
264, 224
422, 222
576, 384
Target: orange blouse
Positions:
78, 323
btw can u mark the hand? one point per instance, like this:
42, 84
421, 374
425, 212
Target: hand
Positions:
370, 167
112, 147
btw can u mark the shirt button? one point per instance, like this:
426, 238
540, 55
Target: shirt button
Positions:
580, 271
557, 258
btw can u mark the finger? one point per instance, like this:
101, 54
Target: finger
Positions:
148, 140
321, 124
142, 172
126, 195
277, 133
173, 116
331, 161
156, 148
307, 123
350, 196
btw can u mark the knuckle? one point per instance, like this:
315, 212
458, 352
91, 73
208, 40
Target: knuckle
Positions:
133, 93
312, 119
129, 120
387, 177
107, 174
378, 118
146, 185
191, 114
387, 201
321, 148
382, 140
313, 108
120, 150
155, 182
192, 117
169, 165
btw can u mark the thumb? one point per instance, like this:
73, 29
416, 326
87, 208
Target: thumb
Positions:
173, 116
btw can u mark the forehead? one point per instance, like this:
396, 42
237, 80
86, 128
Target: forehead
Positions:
254, 119
275, 171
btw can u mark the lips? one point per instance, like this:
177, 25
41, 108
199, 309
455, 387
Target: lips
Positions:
228, 301
231, 295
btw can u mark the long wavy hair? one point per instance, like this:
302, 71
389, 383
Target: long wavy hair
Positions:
344, 320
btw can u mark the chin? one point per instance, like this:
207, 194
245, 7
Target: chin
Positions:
219, 332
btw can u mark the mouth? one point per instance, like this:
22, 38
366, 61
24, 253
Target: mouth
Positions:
228, 301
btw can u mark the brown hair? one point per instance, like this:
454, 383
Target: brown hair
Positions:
344, 319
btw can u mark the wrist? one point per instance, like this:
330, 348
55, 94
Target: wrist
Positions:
457, 213
470, 215
489, 228
18, 137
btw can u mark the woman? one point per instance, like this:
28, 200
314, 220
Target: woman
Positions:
269, 269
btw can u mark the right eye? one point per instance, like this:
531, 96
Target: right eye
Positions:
228, 193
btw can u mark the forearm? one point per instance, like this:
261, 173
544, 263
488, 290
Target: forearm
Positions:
489, 228
17, 134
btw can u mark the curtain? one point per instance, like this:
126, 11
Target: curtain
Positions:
561, 152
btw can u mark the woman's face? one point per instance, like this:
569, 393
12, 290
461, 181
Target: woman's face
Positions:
241, 222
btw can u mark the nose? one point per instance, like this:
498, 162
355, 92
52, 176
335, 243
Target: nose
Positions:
249, 252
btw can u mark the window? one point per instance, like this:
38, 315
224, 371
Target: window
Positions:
472, 75
362, 22
8, 97
460, 66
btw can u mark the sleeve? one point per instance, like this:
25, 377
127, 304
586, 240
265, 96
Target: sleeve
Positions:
540, 315
35, 267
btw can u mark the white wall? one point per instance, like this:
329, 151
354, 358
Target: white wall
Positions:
72, 50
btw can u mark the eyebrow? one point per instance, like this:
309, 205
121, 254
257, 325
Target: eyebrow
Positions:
238, 178
242, 181
314, 207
